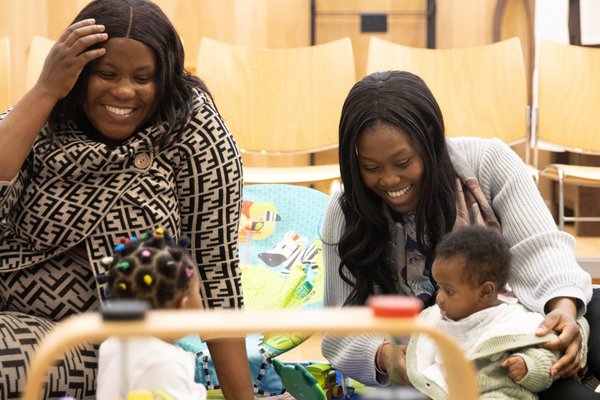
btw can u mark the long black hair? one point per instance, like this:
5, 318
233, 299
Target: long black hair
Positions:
403, 100
144, 21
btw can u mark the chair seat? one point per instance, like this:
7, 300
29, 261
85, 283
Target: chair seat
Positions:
573, 174
302, 174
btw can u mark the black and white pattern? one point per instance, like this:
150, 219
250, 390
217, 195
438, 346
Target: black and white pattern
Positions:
83, 193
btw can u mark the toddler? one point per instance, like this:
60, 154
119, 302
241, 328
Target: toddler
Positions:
156, 270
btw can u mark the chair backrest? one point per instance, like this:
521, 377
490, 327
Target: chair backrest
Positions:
568, 96
481, 90
279, 100
5, 99
36, 55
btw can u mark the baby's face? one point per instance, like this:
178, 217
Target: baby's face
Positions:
456, 297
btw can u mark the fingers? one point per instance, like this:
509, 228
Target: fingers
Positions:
516, 367
549, 324
568, 335
569, 363
81, 35
75, 26
81, 39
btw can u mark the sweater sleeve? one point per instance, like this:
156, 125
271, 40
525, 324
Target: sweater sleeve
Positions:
209, 184
10, 191
544, 264
538, 363
353, 356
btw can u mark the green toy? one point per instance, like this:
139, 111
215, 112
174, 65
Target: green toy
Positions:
299, 382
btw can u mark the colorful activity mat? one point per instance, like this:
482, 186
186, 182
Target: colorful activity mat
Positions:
280, 246
281, 265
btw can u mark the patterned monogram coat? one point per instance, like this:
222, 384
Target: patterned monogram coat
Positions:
74, 191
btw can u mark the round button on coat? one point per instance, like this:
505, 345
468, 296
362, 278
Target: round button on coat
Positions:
142, 161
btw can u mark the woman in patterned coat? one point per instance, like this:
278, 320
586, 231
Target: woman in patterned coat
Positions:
114, 139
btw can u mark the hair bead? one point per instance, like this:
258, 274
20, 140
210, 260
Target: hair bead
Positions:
123, 265
148, 279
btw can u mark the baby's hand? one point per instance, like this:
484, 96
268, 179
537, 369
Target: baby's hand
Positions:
516, 367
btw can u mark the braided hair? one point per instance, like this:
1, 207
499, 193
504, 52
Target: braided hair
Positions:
152, 268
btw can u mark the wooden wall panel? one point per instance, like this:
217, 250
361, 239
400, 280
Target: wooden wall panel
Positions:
261, 23
464, 23
20, 21
60, 14
407, 24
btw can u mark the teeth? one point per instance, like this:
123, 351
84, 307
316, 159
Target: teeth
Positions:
119, 111
399, 193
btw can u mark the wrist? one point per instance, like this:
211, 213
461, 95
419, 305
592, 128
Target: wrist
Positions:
381, 366
565, 303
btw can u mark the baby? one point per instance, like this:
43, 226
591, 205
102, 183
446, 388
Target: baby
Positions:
471, 270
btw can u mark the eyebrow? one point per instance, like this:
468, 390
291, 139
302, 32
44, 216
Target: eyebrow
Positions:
139, 69
401, 153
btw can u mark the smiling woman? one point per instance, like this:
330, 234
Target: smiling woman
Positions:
391, 165
114, 139
405, 187
121, 89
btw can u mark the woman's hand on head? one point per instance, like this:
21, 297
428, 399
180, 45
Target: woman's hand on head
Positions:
561, 319
68, 57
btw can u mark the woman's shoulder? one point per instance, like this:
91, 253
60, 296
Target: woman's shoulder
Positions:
486, 153
205, 123
470, 142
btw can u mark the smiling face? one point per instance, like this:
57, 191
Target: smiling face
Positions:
391, 166
458, 298
121, 89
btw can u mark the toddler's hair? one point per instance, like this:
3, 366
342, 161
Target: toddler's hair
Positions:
151, 268
485, 253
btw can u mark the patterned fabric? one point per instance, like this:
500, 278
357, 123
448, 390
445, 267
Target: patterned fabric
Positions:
74, 375
83, 191
76, 192
52, 290
472, 208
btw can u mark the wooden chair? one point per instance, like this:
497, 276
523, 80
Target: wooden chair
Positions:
481, 90
567, 117
460, 374
36, 55
280, 102
5, 99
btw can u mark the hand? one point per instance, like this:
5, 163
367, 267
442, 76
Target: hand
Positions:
392, 359
561, 319
68, 57
517, 369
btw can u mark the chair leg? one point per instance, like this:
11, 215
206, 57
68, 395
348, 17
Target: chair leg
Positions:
561, 200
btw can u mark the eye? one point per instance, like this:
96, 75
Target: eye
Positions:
105, 75
369, 168
143, 79
404, 162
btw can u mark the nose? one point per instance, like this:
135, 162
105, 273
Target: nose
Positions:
389, 178
439, 298
123, 88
